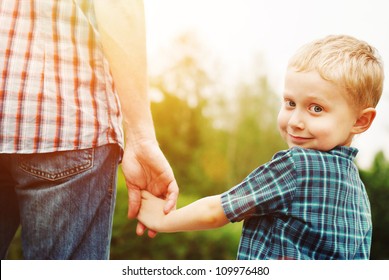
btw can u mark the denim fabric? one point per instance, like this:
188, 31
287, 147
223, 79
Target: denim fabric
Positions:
64, 202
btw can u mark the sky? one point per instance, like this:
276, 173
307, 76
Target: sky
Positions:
235, 32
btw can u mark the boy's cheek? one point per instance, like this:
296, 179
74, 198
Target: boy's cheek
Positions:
282, 121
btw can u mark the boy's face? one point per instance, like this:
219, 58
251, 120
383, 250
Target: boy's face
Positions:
315, 113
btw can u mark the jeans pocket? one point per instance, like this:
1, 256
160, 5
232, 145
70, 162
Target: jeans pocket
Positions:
58, 165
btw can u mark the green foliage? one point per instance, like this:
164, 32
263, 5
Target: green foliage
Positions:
208, 159
181, 135
254, 137
377, 184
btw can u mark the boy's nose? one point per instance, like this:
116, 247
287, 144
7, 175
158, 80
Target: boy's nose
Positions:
296, 120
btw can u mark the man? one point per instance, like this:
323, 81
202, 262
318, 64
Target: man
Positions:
71, 73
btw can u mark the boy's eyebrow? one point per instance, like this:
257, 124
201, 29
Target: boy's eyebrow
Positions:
317, 99
285, 94
311, 97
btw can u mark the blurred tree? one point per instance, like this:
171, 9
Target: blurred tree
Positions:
254, 135
182, 127
205, 157
211, 140
376, 180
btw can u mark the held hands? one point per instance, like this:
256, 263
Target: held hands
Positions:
146, 168
151, 213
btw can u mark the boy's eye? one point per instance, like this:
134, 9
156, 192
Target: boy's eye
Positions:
316, 109
290, 104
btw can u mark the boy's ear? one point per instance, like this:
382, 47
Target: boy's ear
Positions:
364, 120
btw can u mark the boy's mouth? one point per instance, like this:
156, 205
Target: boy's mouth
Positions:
298, 140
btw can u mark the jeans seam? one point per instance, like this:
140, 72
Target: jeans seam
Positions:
59, 175
112, 179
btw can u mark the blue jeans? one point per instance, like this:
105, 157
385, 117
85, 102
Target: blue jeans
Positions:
64, 202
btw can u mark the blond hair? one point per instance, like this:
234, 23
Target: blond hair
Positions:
347, 62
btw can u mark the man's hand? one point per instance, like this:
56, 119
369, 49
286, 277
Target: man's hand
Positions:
146, 168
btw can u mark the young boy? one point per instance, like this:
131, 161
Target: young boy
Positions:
308, 202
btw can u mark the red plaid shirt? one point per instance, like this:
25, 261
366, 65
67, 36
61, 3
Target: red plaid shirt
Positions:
56, 91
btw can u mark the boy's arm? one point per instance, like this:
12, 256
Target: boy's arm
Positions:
206, 213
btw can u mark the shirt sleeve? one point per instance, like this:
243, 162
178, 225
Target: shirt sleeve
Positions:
268, 189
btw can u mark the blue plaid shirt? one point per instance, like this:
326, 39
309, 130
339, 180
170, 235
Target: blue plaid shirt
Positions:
303, 204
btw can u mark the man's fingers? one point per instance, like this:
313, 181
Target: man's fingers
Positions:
169, 206
152, 233
134, 200
140, 229
171, 199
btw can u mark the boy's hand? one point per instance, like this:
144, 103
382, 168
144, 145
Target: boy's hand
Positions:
151, 213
